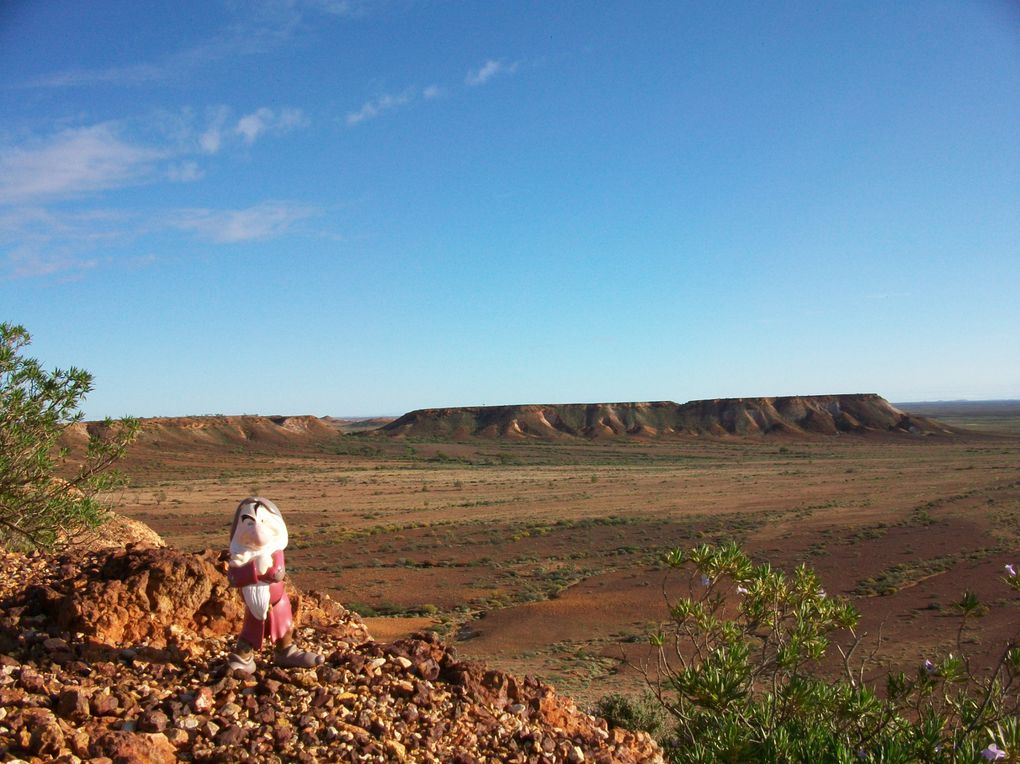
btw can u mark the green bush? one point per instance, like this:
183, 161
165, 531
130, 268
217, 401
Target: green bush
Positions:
643, 714
760, 666
45, 499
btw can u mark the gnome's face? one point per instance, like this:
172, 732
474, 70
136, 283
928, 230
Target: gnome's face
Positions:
259, 526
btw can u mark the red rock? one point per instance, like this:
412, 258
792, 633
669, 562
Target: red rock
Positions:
73, 704
56, 644
32, 681
134, 748
153, 721
231, 735
177, 737
104, 704
203, 700
47, 737
282, 733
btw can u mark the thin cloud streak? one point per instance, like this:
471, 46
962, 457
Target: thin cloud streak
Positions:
268, 220
26, 263
268, 25
72, 163
264, 120
381, 105
40, 242
487, 71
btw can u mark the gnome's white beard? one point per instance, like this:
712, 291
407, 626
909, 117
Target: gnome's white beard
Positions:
256, 597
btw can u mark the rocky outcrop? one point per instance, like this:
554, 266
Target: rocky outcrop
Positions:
121, 655
794, 416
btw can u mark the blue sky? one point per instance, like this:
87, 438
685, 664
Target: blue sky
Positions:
353, 208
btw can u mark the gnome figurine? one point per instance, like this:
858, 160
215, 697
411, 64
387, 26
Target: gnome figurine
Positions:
257, 540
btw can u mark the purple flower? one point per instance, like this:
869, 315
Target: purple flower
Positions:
1011, 570
993, 753
821, 593
741, 589
705, 580
929, 666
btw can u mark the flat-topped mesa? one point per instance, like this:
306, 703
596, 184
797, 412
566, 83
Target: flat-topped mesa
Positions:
271, 433
801, 415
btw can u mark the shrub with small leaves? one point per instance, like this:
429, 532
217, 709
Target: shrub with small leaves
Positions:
758, 665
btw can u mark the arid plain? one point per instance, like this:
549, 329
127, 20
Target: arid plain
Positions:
545, 557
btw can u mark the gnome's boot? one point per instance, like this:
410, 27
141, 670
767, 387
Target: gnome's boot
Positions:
288, 656
242, 659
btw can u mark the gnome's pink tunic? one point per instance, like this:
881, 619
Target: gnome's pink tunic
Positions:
280, 618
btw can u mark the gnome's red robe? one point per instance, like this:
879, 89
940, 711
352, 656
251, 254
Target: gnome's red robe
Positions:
280, 619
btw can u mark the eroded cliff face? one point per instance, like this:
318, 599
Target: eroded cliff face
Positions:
263, 432
121, 654
805, 416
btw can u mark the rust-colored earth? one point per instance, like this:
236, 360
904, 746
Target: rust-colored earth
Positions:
544, 557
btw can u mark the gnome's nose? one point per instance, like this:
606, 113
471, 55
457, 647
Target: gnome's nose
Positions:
262, 533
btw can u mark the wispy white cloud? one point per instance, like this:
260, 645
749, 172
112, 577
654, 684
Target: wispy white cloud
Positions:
264, 120
184, 172
432, 91
258, 27
35, 225
29, 263
263, 221
39, 242
211, 139
384, 103
79, 161
348, 8
886, 295
36, 241
488, 70
72, 163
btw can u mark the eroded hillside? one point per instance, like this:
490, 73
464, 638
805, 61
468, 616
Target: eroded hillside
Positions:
796, 416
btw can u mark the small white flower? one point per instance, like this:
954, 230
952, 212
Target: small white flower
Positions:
1011, 570
993, 753
929, 666
821, 593
741, 589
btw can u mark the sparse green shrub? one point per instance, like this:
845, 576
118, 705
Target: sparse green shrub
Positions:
756, 665
643, 714
44, 498
366, 611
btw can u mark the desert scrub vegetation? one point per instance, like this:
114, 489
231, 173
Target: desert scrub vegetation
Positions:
757, 665
46, 497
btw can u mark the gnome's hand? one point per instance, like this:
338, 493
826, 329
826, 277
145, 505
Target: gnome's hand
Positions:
277, 570
263, 563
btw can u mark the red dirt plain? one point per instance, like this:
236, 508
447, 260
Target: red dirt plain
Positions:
544, 558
